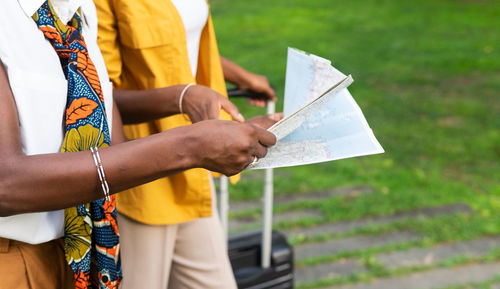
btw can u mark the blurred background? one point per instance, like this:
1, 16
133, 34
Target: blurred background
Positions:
426, 214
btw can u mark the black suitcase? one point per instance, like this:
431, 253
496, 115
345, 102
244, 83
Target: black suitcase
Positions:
245, 256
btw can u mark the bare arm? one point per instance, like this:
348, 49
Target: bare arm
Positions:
55, 181
199, 103
244, 79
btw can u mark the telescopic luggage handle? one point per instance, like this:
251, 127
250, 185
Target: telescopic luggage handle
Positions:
267, 207
267, 199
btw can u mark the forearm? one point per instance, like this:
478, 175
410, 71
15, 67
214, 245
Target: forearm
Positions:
199, 102
244, 79
138, 106
45, 182
234, 73
55, 181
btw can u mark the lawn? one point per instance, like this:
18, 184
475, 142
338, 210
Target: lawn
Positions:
427, 77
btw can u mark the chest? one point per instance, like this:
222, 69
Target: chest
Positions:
37, 80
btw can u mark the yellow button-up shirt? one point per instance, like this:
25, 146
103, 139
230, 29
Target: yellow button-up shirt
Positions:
144, 45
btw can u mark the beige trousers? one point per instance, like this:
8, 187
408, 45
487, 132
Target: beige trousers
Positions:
189, 255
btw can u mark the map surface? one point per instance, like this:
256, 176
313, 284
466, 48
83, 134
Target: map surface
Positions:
318, 126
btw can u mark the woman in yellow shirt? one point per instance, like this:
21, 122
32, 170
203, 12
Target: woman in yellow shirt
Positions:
170, 235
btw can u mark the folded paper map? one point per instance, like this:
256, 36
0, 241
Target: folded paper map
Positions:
322, 122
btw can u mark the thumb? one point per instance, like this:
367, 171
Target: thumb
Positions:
230, 108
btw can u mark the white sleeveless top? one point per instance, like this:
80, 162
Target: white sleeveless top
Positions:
194, 14
40, 91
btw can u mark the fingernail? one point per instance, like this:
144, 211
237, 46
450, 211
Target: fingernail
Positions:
240, 116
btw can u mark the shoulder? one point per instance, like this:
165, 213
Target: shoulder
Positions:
12, 13
10, 6
14, 25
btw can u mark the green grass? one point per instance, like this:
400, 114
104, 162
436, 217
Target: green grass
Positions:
481, 285
427, 77
376, 270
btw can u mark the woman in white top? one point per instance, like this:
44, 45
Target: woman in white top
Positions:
36, 182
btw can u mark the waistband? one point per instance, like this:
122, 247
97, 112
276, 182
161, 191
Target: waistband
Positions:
5, 244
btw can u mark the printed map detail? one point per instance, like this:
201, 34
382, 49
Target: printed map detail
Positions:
318, 126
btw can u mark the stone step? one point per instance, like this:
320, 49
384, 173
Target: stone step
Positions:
474, 286
249, 222
344, 267
413, 257
297, 198
433, 279
311, 250
439, 253
347, 226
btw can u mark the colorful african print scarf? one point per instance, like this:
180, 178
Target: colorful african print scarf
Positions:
91, 233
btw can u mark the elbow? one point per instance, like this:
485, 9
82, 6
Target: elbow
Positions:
4, 212
6, 208
10, 180
7, 203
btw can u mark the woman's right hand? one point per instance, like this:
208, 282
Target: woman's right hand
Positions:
202, 103
227, 147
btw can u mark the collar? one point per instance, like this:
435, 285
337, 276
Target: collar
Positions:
65, 9
30, 6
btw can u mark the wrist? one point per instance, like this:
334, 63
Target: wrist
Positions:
182, 155
168, 99
191, 146
182, 99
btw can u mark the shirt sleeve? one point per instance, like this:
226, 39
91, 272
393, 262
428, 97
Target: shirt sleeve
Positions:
108, 41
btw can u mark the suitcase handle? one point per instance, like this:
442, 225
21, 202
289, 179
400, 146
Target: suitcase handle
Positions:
236, 92
267, 206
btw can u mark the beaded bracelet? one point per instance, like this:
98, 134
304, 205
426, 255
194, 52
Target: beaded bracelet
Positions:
100, 172
182, 96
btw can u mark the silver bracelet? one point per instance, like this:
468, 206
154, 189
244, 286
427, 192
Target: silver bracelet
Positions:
182, 96
100, 172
